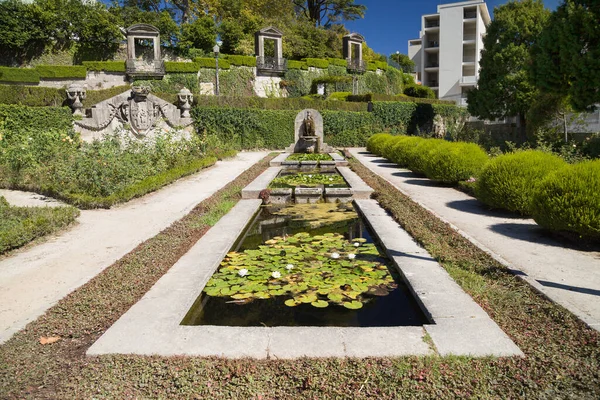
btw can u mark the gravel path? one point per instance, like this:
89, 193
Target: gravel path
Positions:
36, 278
568, 276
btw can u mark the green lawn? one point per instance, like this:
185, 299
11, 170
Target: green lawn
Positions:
21, 225
561, 354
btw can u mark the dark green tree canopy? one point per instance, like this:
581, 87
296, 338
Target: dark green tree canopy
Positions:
504, 88
566, 59
406, 64
327, 12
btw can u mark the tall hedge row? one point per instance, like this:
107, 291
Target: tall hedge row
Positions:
274, 129
16, 117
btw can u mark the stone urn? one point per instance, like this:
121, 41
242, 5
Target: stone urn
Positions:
185, 98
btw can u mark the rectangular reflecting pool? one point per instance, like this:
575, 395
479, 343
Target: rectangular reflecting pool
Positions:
306, 265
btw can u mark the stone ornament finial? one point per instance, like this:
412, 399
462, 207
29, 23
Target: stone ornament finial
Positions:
185, 102
76, 92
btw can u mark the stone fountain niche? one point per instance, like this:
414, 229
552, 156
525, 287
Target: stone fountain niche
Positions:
308, 137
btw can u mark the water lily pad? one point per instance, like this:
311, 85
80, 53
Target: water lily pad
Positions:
319, 304
291, 303
353, 305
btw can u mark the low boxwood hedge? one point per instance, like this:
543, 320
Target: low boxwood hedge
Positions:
317, 63
19, 75
210, 63
568, 199
339, 62
241, 61
183, 67
294, 64
509, 181
62, 71
106, 66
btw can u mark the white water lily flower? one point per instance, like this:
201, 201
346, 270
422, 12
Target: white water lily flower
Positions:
351, 256
335, 255
330, 179
243, 272
289, 267
356, 244
276, 274
310, 176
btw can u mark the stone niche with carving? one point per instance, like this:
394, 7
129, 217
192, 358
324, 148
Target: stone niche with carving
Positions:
136, 111
308, 133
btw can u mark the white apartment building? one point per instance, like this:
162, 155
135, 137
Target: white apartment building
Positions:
449, 48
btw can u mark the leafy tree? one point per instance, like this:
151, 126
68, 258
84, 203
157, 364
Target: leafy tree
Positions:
23, 31
566, 59
406, 64
199, 34
162, 19
327, 12
504, 89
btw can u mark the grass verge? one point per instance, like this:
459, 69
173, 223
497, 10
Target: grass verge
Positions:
21, 225
562, 354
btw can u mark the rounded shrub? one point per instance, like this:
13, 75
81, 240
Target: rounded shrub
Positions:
569, 200
509, 181
387, 150
401, 148
418, 156
452, 162
376, 142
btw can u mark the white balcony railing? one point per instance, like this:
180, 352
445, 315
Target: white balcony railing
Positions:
468, 80
467, 59
469, 36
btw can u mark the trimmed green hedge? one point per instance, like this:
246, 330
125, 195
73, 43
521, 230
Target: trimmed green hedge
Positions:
569, 200
293, 64
107, 66
96, 96
274, 129
340, 62
19, 75
509, 181
317, 63
371, 66
210, 63
382, 65
33, 96
294, 103
398, 98
16, 117
241, 61
61, 71
439, 160
183, 67
452, 162
339, 96
419, 91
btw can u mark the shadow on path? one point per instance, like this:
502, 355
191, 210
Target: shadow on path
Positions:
593, 292
539, 235
474, 206
396, 253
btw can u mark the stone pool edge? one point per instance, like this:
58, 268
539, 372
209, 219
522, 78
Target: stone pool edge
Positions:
152, 325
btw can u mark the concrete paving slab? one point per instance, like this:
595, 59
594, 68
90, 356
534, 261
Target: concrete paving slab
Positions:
397, 341
339, 160
252, 191
439, 296
476, 337
34, 279
360, 190
302, 341
568, 276
276, 162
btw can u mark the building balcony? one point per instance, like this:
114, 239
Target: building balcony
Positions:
271, 64
433, 84
470, 15
468, 60
354, 65
432, 24
469, 37
432, 44
469, 80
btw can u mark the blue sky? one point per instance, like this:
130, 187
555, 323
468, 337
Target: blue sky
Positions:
389, 24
